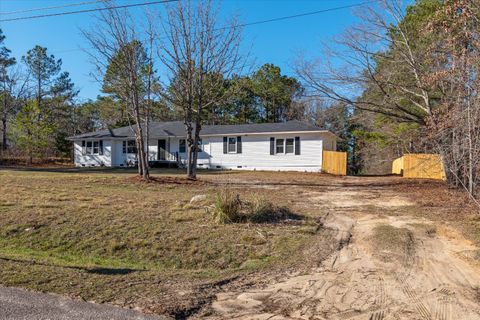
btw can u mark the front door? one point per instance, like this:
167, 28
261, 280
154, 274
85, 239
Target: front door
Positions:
162, 145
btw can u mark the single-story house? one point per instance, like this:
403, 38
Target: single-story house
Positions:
292, 145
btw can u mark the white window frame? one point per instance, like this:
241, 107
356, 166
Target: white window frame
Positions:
228, 144
89, 149
293, 145
96, 145
127, 146
284, 146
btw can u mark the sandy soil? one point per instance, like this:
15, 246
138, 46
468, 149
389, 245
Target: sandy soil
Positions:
434, 279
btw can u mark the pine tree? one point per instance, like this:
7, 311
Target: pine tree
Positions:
32, 131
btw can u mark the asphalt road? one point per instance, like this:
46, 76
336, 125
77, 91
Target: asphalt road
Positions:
18, 304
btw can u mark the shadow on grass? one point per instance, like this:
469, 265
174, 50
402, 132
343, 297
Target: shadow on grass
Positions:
274, 215
92, 270
110, 271
168, 171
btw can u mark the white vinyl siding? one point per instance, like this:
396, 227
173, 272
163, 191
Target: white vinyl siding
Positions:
255, 154
90, 153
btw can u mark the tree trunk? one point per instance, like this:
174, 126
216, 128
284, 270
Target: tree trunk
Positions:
470, 177
30, 158
196, 139
139, 156
190, 159
142, 161
4, 133
39, 87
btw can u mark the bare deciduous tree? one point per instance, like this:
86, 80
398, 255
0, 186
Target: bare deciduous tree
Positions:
124, 68
14, 87
456, 127
199, 55
360, 62
418, 66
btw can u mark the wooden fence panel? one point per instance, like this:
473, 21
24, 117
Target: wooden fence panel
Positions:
397, 166
420, 166
334, 162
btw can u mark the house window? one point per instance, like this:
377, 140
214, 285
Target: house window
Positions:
232, 145
279, 145
182, 146
285, 146
289, 146
129, 146
89, 147
92, 147
95, 147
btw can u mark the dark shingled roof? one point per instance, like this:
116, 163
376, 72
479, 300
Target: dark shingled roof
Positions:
177, 129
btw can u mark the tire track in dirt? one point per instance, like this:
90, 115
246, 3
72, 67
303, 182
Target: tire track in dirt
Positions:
354, 284
413, 258
414, 298
443, 305
380, 300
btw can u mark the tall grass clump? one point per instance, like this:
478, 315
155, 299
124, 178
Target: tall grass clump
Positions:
229, 208
261, 210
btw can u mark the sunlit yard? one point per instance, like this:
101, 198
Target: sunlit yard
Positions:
106, 237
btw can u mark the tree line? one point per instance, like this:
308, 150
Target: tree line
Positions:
206, 83
405, 79
36, 102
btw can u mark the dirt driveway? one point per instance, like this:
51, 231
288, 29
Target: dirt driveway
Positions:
390, 265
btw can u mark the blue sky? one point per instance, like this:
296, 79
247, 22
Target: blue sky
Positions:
277, 42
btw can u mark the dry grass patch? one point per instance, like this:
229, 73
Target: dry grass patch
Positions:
230, 208
392, 244
102, 237
427, 229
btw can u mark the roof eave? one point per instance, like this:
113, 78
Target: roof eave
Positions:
266, 133
77, 138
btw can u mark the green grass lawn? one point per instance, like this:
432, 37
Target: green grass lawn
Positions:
102, 236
